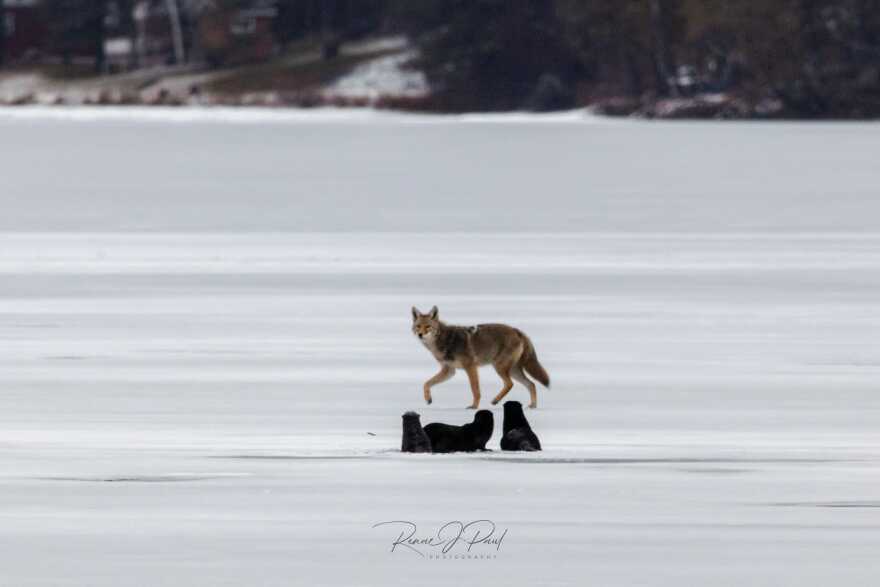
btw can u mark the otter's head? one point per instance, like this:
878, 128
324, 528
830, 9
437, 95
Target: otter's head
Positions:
484, 419
513, 415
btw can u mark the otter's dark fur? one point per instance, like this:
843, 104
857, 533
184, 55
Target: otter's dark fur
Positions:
414, 438
518, 435
468, 438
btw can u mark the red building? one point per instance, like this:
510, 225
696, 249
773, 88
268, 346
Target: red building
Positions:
226, 36
24, 27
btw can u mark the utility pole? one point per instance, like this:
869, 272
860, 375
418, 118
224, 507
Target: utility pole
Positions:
176, 31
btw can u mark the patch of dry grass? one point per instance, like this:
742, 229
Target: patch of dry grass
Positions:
282, 76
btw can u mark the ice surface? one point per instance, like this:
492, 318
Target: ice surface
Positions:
196, 391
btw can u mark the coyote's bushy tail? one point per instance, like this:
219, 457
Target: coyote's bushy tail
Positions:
529, 362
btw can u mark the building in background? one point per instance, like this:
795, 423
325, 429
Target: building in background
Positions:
119, 38
119, 35
215, 31
236, 33
153, 38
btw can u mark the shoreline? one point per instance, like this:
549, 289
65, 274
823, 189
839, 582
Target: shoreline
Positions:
255, 114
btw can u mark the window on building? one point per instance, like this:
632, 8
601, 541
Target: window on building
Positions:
243, 26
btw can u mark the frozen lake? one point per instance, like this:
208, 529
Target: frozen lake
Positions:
206, 348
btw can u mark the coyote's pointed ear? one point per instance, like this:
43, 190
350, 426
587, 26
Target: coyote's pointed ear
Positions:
433, 313
415, 313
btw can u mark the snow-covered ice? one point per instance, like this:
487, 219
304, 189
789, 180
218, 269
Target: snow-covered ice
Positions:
206, 350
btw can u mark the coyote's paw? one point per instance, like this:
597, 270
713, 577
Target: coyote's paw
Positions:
472, 407
533, 406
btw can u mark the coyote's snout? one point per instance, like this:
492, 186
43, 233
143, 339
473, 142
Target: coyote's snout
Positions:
468, 347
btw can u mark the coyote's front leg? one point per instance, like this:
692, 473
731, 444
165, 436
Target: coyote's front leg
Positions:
446, 372
474, 378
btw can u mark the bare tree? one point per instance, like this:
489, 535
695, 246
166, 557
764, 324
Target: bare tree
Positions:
662, 51
176, 31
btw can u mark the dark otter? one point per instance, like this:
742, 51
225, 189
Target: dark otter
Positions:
468, 438
414, 437
518, 435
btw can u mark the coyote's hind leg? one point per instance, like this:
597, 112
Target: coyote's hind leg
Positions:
517, 373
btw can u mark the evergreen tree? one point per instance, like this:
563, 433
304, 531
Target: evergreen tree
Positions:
77, 27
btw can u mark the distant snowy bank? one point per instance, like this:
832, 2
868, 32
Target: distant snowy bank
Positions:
252, 115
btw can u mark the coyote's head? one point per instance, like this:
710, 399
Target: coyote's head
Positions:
425, 326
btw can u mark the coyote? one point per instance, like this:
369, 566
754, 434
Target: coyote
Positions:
468, 347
